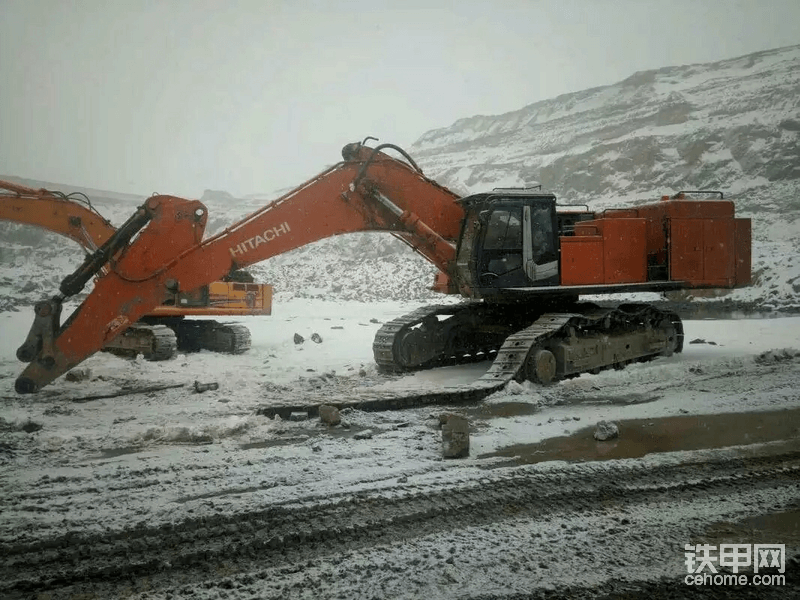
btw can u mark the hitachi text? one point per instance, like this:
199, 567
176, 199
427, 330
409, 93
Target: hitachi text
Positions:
254, 242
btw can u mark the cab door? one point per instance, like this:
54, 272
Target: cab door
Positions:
500, 261
539, 251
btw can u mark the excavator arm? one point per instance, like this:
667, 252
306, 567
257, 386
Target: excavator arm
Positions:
368, 191
70, 215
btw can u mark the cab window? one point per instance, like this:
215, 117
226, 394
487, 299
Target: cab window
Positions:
504, 231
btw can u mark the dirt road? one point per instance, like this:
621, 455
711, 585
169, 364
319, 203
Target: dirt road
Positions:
588, 528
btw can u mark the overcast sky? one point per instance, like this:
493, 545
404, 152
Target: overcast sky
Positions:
178, 96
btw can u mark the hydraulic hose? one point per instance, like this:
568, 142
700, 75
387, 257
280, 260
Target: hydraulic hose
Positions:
363, 170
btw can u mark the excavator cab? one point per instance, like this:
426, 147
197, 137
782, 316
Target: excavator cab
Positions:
508, 240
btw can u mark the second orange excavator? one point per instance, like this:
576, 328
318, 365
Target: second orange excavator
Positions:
519, 259
163, 331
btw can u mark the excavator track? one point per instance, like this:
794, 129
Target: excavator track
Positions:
563, 345
549, 347
383, 347
229, 338
158, 341
513, 353
443, 334
226, 338
153, 342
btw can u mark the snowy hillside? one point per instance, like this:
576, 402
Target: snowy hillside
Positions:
731, 125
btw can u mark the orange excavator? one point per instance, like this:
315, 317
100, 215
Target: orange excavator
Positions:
520, 261
159, 334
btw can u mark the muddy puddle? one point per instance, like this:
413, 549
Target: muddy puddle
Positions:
771, 528
521, 409
638, 437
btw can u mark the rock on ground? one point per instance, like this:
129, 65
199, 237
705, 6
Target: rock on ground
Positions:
455, 437
606, 430
329, 414
81, 374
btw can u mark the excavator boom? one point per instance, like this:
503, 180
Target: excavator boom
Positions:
394, 197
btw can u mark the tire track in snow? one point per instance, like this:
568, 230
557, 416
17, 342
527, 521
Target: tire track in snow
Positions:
292, 532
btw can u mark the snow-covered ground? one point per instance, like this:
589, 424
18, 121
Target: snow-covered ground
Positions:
72, 462
276, 370
167, 425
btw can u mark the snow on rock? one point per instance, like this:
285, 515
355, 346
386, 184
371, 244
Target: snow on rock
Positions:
777, 356
455, 437
329, 415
